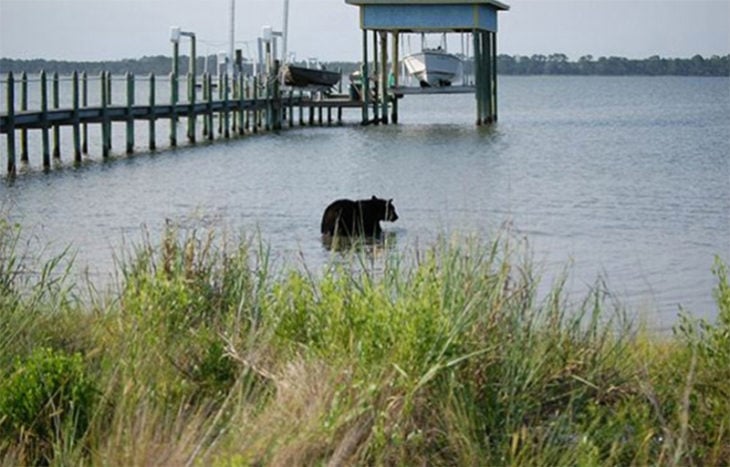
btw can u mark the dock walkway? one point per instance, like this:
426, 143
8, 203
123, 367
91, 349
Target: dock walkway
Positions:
241, 106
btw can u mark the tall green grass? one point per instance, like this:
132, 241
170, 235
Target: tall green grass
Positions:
205, 352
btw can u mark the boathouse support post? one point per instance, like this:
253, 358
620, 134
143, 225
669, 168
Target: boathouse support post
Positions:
478, 74
105, 124
152, 139
395, 60
24, 107
365, 85
76, 116
488, 62
56, 128
10, 95
85, 103
130, 116
384, 76
44, 120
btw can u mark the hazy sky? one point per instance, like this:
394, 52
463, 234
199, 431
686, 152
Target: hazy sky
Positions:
328, 29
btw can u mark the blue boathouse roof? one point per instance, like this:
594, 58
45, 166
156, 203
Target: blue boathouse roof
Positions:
429, 15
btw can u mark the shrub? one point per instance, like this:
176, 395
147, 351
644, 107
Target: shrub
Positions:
46, 399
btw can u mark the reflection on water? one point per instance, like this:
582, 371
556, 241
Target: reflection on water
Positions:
370, 246
622, 177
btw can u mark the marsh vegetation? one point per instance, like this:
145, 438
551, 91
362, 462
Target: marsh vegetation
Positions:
204, 351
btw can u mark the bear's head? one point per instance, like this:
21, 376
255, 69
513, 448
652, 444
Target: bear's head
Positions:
388, 213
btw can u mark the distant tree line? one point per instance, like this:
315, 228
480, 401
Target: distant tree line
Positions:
559, 64
555, 64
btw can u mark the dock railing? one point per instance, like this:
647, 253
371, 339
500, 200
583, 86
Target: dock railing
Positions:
65, 107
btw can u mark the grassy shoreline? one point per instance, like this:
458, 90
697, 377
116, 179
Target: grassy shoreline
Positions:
205, 353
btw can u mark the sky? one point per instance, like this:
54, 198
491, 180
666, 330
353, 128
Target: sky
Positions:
87, 30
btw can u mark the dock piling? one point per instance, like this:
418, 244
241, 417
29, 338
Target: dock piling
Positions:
10, 95
241, 103
23, 108
44, 120
130, 116
152, 137
105, 122
85, 103
56, 128
191, 108
173, 107
76, 116
226, 113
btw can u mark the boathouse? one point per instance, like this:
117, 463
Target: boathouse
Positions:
384, 18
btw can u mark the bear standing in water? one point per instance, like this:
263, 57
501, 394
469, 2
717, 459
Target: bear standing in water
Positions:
353, 218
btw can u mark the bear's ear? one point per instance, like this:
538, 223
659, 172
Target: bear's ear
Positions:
374, 197
390, 200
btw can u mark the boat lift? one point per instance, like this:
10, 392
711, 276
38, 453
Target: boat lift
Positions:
386, 18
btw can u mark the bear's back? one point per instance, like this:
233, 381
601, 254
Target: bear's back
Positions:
361, 217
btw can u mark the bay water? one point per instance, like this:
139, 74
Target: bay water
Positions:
623, 178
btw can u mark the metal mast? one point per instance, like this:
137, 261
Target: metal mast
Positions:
232, 37
285, 32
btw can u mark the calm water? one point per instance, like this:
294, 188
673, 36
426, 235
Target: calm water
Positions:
627, 178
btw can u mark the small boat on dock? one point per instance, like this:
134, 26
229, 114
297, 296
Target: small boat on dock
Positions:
306, 77
313, 76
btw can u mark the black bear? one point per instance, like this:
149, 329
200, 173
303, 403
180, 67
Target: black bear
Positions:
362, 217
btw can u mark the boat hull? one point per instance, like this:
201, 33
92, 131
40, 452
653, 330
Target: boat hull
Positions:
302, 77
433, 68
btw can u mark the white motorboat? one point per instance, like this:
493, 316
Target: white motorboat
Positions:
433, 67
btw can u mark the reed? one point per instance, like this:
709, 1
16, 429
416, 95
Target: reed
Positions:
207, 352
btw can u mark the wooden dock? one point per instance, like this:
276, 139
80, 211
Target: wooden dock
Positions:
237, 107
